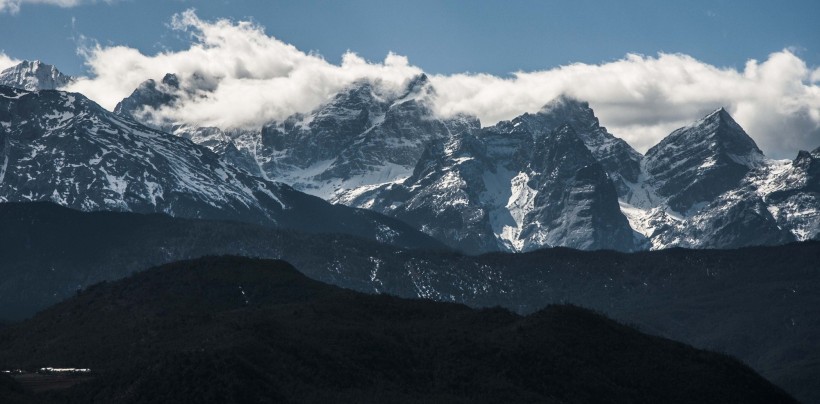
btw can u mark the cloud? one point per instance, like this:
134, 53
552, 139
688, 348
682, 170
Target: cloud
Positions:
642, 99
235, 75
6, 61
13, 6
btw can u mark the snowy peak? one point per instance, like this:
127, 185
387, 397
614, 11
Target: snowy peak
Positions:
568, 107
718, 133
576, 113
171, 80
351, 110
549, 178
419, 85
734, 141
619, 159
149, 96
696, 163
506, 188
365, 135
66, 149
34, 76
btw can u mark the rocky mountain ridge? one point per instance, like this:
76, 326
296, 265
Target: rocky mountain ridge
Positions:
704, 186
34, 76
64, 148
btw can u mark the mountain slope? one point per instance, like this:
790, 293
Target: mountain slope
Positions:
365, 135
697, 163
705, 185
64, 148
621, 162
34, 76
150, 95
238, 330
517, 186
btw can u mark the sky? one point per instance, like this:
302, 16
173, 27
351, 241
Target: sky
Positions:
646, 67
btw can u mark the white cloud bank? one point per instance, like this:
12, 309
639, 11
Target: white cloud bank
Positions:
237, 76
6, 61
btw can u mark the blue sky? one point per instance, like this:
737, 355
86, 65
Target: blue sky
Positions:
496, 37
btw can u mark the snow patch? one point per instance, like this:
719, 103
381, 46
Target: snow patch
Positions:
509, 199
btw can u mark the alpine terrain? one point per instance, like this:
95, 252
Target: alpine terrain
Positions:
33, 76
551, 178
62, 147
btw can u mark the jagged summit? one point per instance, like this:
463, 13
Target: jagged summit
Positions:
566, 109
519, 186
419, 83
564, 102
696, 163
171, 80
719, 114
34, 76
375, 146
619, 159
150, 96
723, 135
67, 149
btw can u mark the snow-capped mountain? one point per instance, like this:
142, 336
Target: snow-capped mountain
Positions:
778, 202
708, 185
517, 186
364, 136
525, 183
34, 76
695, 164
62, 147
149, 96
619, 159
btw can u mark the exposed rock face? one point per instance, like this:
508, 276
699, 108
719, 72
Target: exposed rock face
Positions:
619, 159
365, 135
514, 186
509, 187
149, 96
64, 148
695, 164
362, 137
34, 76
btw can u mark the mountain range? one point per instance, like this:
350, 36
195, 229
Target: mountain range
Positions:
551, 178
376, 192
62, 147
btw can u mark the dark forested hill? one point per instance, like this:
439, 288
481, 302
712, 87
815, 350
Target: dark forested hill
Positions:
758, 304
232, 330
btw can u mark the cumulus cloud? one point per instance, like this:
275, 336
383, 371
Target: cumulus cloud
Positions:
6, 61
234, 75
642, 99
13, 6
